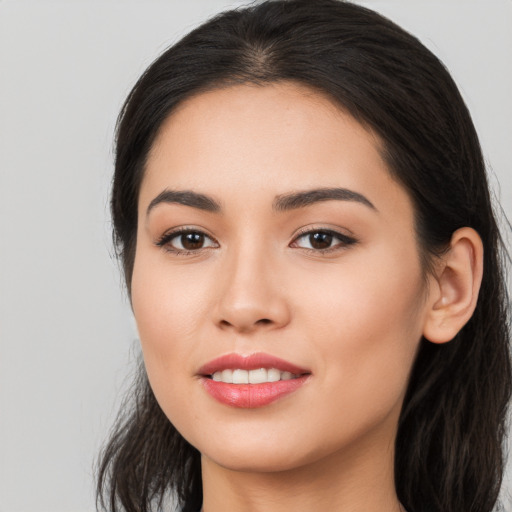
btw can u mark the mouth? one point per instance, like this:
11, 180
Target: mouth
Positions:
251, 381
258, 376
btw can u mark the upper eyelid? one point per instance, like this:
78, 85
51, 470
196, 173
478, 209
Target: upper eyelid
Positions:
164, 241
169, 234
174, 232
301, 231
334, 234
315, 229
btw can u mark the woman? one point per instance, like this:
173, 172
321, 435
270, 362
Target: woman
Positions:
301, 208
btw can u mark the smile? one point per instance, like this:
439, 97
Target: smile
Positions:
259, 376
251, 381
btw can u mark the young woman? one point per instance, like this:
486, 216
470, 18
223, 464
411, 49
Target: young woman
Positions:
301, 208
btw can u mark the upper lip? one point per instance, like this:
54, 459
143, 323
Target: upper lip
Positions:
250, 362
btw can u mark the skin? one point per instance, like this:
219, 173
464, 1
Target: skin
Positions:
353, 316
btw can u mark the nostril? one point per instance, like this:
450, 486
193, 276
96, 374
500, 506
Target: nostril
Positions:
245, 326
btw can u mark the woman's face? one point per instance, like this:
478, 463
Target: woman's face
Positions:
271, 235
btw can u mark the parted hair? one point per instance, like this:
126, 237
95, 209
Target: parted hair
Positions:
450, 440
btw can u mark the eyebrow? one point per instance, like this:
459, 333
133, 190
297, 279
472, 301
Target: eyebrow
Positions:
186, 198
295, 200
284, 202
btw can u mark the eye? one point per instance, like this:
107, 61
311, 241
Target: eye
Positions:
322, 240
185, 241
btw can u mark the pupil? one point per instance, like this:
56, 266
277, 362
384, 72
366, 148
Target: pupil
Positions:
192, 241
320, 240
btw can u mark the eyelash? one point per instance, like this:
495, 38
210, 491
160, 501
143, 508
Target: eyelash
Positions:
343, 240
165, 241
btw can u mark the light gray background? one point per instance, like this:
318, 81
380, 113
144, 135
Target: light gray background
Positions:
66, 333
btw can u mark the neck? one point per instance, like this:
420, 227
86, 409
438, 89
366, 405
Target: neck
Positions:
355, 480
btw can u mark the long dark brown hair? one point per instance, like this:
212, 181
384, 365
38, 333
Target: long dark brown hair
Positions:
449, 446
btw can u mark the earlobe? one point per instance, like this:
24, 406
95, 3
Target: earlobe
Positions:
454, 294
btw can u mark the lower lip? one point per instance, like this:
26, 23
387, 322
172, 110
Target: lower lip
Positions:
249, 396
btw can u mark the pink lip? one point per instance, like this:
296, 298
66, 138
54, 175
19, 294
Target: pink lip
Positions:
251, 395
251, 362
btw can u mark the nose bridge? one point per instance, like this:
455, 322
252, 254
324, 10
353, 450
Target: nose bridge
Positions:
251, 296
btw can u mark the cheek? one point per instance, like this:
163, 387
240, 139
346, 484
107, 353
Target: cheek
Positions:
167, 302
164, 309
368, 324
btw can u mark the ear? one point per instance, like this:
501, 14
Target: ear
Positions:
454, 288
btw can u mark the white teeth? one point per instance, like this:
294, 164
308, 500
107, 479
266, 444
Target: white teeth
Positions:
240, 377
259, 376
226, 376
274, 375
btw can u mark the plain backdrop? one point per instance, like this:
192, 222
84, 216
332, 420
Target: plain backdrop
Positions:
67, 338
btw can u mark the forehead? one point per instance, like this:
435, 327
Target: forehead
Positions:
279, 138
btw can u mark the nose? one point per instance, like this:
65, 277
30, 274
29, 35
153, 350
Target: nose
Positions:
251, 297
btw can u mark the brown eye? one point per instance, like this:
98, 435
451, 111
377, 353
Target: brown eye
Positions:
323, 241
320, 240
191, 241
186, 241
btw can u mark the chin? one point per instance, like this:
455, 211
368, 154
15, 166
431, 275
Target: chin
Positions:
257, 460
261, 454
